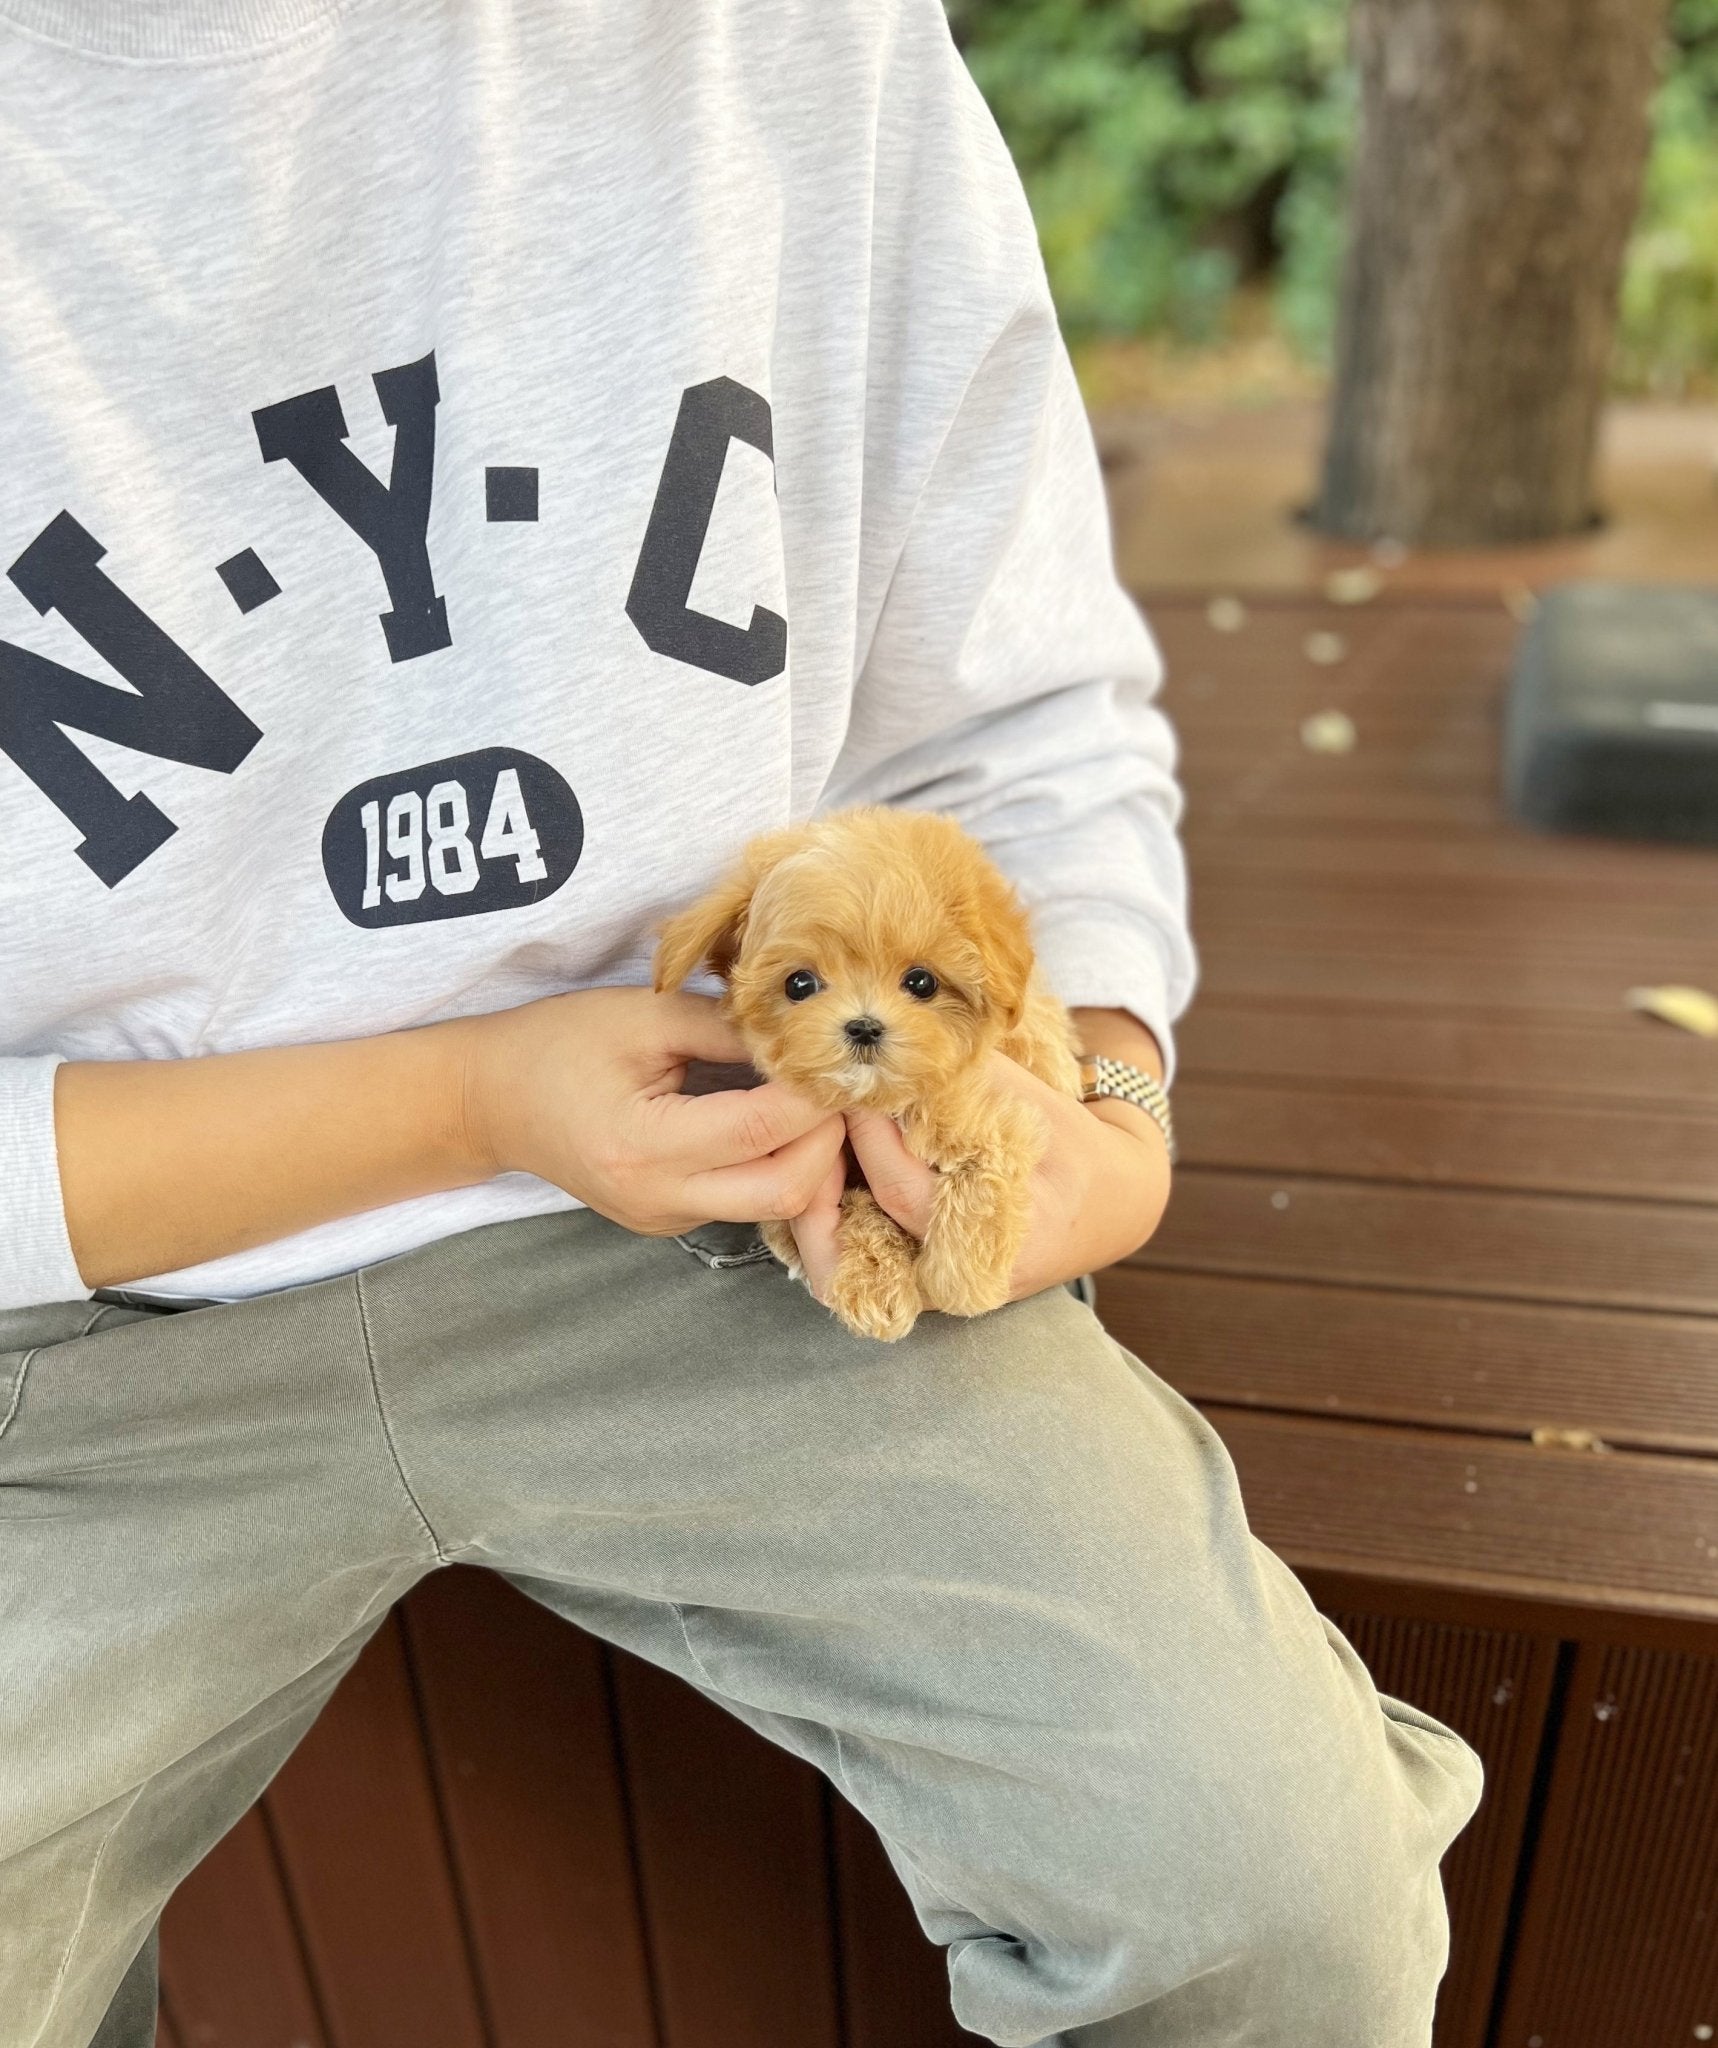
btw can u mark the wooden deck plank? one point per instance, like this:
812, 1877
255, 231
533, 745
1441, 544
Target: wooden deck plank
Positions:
1629, 1532
1444, 1361
233, 1972
516, 1714
1468, 918
894, 1980
1391, 970
1602, 872
1547, 1248
1449, 1139
1616, 1944
734, 1862
361, 1842
1492, 1687
1601, 1057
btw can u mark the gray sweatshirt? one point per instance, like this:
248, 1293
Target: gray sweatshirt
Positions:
467, 466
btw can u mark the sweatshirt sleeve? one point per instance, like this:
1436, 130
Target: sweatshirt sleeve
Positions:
36, 1262
1004, 675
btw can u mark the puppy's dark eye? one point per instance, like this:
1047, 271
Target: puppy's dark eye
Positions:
800, 984
920, 983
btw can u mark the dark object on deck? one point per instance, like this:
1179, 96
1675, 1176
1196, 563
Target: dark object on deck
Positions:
1612, 718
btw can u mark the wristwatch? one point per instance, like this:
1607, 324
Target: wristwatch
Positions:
1101, 1076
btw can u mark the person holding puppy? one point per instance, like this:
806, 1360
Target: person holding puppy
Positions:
469, 470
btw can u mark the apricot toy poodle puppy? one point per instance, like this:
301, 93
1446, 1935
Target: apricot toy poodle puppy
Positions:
874, 959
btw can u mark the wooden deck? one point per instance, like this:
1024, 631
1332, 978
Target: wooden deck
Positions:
1448, 1211
1442, 1266
1443, 1190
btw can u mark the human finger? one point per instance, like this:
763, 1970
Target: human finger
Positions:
816, 1230
778, 1186
689, 1027
905, 1187
736, 1124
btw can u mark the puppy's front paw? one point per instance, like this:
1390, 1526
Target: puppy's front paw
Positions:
872, 1290
885, 1312
958, 1290
977, 1226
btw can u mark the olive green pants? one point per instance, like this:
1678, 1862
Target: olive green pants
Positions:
994, 1581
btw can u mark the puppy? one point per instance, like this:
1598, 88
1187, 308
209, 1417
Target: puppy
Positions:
874, 959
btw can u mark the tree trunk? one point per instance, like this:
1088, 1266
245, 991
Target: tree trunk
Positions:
1498, 174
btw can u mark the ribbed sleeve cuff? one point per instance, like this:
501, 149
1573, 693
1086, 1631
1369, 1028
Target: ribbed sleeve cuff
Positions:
1105, 963
36, 1262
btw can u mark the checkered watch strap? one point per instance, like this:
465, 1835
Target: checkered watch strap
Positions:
1100, 1076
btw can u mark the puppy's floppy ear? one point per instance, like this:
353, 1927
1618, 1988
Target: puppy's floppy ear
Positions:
1004, 944
709, 932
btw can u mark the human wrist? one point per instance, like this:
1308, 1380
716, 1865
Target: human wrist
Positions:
1133, 1173
1127, 1116
473, 1098
1119, 1035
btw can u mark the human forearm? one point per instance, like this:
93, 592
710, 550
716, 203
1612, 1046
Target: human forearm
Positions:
168, 1163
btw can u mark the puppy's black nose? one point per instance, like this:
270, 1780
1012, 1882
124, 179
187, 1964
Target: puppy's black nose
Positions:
864, 1030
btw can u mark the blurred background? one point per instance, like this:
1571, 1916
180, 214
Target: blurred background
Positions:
1413, 273
1187, 163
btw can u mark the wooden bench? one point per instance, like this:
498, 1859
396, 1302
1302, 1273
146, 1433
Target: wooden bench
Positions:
1448, 1213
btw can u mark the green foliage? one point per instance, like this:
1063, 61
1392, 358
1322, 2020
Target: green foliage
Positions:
1669, 332
1177, 149
1172, 150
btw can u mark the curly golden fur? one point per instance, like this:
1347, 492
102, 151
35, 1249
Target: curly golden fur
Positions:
873, 959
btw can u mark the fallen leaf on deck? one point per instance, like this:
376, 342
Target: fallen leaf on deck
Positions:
1328, 732
1226, 614
1520, 603
1689, 1009
1353, 586
1546, 1438
1389, 554
1326, 649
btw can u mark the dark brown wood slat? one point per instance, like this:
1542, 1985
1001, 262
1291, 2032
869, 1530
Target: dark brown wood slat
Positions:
1600, 1057
1455, 765
1648, 1381
366, 1863
517, 1717
1401, 648
1631, 1532
734, 1861
1232, 728
1617, 1942
1392, 971
1459, 1140
1548, 1248
1469, 917
1397, 809
232, 1970
1493, 1689
166, 2033
895, 1988
1607, 873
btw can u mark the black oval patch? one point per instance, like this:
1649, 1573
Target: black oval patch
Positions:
494, 830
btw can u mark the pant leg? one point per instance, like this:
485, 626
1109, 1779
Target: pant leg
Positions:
130, 2021
996, 1582
200, 1524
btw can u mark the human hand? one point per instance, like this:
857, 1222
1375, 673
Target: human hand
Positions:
1098, 1192
584, 1091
